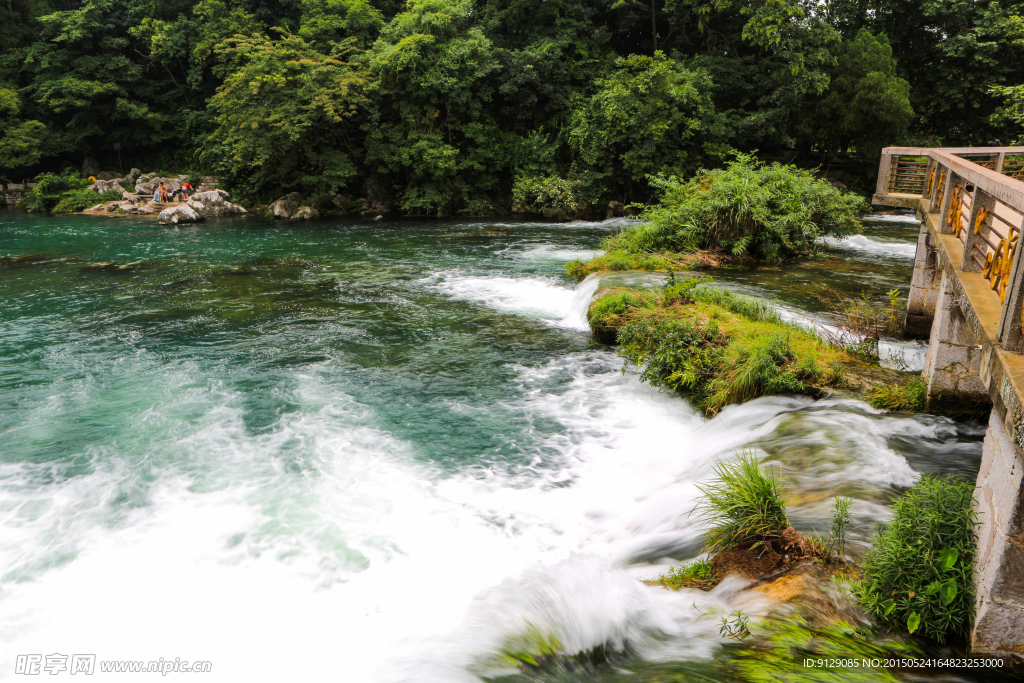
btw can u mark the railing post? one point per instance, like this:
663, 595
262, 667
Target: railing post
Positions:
933, 196
1000, 158
884, 168
981, 200
1010, 336
952, 182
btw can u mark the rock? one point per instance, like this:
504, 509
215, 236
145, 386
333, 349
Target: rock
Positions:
91, 167
132, 177
378, 218
282, 208
148, 186
214, 203
304, 213
108, 184
615, 210
107, 175
129, 196
286, 206
373, 208
141, 211
182, 213
553, 214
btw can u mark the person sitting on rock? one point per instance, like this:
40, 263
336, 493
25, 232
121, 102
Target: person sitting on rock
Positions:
161, 192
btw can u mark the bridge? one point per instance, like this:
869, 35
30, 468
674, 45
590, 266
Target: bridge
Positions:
966, 295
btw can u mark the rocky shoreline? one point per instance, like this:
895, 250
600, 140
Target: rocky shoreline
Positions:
137, 192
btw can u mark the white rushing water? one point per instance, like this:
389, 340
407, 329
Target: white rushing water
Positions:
871, 246
372, 565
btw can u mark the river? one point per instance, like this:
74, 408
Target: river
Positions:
380, 451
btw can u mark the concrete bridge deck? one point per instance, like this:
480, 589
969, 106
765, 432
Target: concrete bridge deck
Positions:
967, 295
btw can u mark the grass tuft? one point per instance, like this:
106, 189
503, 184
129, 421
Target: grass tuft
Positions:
743, 506
696, 574
900, 398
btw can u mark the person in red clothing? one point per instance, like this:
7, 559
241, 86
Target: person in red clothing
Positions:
186, 190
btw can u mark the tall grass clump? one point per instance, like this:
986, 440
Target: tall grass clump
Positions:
918, 573
64, 193
743, 506
767, 211
905, 398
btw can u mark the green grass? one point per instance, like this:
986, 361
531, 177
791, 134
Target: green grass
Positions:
619, 260
918, 574
905, 398
696, 574
713, 346
743, 506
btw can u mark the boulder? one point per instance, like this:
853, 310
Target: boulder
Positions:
282, 208
373, 207
91, 167
132, 177
107, 175
304, 213
107, 185
615, 210
149, 185
214, 203
553, 214
181, 213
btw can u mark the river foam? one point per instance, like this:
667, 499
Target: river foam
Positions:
283, 521
871, 246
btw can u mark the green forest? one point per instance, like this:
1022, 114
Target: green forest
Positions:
442, 107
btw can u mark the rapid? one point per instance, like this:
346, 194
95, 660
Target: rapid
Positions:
383, 451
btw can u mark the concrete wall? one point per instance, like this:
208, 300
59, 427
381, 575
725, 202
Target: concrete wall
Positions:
999, 567
953, 364
924, 287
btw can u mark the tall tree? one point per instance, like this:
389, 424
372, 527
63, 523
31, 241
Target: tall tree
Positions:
285, 115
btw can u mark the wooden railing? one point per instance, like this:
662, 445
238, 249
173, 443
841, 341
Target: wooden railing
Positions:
978, 197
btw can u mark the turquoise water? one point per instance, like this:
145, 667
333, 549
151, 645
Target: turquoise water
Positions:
372, 451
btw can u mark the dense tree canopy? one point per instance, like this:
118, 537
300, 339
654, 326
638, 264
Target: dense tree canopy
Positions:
447, 106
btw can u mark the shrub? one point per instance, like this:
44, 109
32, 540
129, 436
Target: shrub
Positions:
918, 574
64, 193
569, 195
744, 506
767, 211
